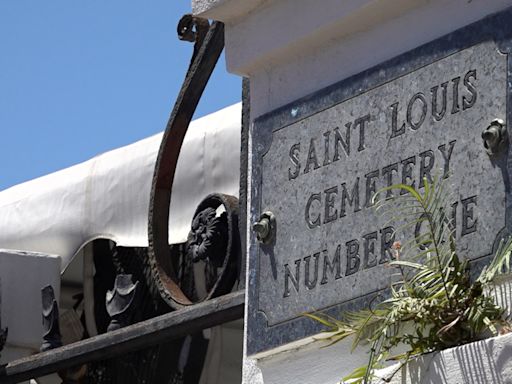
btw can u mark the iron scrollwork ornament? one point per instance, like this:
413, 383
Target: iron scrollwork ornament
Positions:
51, 331
207, 240
209, 43
214, 243
121, 302
193, 29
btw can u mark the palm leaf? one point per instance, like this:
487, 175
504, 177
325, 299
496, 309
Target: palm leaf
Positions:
430, 291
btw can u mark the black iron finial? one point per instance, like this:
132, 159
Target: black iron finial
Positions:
121, 301
51, 331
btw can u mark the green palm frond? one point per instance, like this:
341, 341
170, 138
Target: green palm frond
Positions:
500, 263
432, 304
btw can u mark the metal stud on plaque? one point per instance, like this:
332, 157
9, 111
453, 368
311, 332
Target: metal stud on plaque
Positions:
265, 228
495, 137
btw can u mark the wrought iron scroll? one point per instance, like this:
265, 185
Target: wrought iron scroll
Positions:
206, 54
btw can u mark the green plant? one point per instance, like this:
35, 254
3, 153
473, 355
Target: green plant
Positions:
432, 304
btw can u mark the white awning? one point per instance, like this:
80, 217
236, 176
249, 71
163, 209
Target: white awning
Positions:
108, 196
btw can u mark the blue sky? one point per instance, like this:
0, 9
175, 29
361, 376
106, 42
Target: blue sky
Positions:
81, 77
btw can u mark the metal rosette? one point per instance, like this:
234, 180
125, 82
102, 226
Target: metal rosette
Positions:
219, 243
213, 246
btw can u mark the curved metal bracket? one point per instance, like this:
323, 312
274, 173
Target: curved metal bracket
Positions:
206, 55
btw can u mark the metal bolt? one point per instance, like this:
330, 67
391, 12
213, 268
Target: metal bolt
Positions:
265, 228
495, 137
262, 228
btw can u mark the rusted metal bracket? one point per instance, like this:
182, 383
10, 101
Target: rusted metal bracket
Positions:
206, 54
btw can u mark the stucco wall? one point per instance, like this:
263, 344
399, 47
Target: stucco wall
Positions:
290, 48
22, 275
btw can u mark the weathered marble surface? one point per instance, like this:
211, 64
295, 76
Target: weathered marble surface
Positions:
300, 174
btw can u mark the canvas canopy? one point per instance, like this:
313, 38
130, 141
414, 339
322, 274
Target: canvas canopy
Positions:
108, 196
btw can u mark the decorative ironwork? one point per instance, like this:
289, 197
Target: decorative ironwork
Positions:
121, 301
194, 30
208, 237
156, 331
214, 239
164, 351
206, 54
51, 331
151, 364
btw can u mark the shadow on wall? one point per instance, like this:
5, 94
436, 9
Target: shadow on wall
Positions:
484, 362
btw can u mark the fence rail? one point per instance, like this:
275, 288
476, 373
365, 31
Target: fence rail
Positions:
129, 339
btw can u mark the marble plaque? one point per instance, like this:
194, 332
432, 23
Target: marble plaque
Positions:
316, 164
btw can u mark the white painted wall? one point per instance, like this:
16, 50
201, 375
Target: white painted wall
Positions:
22, 275
484, 362
291, 48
